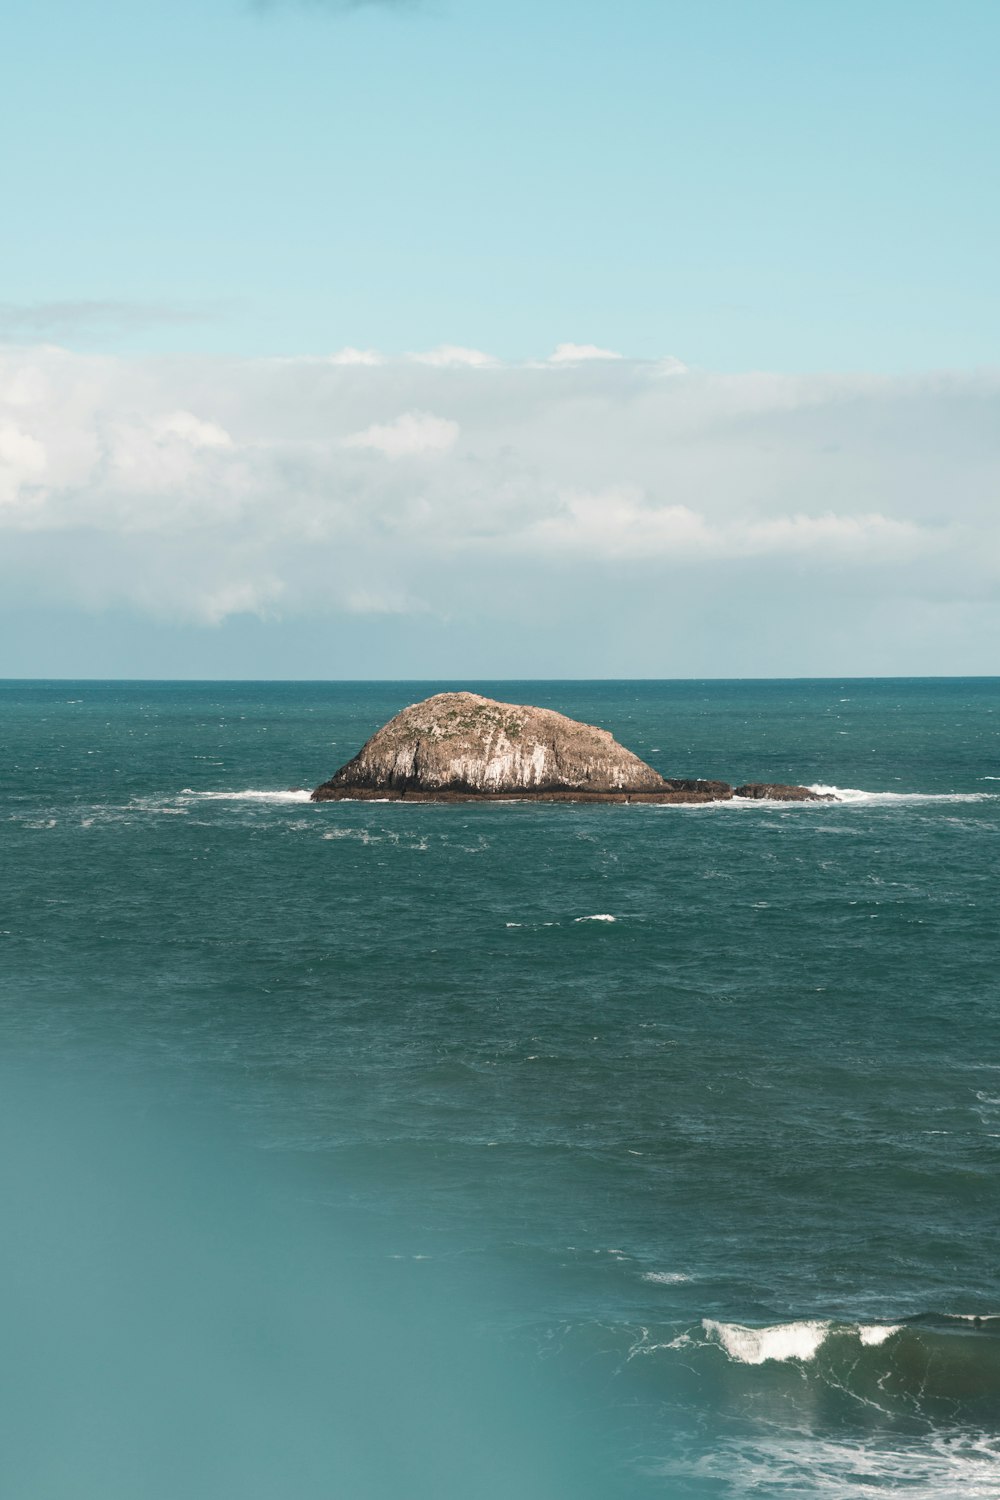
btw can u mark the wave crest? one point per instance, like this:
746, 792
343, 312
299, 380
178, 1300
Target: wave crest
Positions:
250, 795
857, 797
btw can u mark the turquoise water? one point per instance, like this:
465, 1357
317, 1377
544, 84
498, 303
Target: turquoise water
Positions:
375, 1149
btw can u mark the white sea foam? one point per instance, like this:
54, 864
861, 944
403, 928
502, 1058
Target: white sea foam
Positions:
855, 796
946, 1466
877, 1333
249, 796
644, 1345
753, 1346
601, 916
665, 1278
845, 796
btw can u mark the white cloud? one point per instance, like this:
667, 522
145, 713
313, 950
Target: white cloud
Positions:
22, 462
623, 524
349, 356
413, 432
455, 357
590, 491
246, 597
190, 429
445, 356
668, 365
574, 354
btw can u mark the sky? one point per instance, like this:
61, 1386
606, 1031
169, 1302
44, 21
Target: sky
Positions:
441, 338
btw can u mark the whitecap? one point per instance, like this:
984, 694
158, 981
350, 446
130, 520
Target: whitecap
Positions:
855, 795
665, 1278
250, 795
601, 916
753, 1346
877, 1333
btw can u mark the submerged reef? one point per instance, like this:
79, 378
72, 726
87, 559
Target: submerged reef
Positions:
464, 747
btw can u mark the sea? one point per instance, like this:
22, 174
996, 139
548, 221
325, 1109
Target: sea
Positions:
375, 1151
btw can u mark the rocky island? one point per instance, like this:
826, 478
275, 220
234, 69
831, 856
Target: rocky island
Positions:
464, 747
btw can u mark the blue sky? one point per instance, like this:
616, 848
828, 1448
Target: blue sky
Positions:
743, 183
205, 202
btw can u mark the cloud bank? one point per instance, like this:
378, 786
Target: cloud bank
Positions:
584, 488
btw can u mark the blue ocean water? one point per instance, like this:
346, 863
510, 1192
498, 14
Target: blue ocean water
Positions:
387, 1150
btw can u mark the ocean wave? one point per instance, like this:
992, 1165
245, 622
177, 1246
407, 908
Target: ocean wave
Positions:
802, 1340
781, 1341
856, 796
873, 1334
845, 796
600, 916
951, 1464
908, 1374
250, 795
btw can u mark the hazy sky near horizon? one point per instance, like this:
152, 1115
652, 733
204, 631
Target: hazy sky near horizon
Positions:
440, 338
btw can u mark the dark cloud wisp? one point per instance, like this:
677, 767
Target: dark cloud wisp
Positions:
56, 320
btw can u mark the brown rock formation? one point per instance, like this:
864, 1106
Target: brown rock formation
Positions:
461, 746
467, 745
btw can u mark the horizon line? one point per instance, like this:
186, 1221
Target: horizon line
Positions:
347, 681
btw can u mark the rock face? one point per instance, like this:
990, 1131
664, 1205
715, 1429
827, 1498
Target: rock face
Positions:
461, 746
464, 744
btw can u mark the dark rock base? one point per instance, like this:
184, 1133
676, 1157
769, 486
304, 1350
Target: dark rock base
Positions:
675, 792
777, 792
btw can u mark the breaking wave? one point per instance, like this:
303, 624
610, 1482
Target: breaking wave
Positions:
855, 796
905, 1375
754, 1346
296, 794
